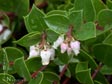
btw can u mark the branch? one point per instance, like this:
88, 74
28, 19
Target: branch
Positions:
43, 40
36, 73
33, 75
66, 81
69, 32
63, 71
97, 70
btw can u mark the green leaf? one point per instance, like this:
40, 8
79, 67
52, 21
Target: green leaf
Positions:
64, 58
57, 23
83, 73
86, 31
36, 62
34, 20
81, 66
97, 82
12, 54
5, 61
50, 76
51, 36
29, 39
68, 73
106, 70
104, 17
38, 79
101, 78
45, 78
108, 39
57, 12
22, 69
6, 79
84, 56
76, 19
103, 53
99, 5
20, 7
87, 7
109, 4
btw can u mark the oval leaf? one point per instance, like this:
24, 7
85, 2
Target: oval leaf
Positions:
22, 69
6, 79
87, 7
34, 20
86, 31
104, 17
57, 23
103, 53
29, 39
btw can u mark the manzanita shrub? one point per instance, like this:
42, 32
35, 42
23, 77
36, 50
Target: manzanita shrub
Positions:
55, 41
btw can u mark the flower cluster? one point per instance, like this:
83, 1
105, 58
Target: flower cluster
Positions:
4, 33
69, 44
46, 53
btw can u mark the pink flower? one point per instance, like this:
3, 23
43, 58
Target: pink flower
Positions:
64, 47
75, 45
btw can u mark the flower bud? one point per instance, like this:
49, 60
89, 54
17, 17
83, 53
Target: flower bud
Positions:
58, 42
64, 47
45, 56
75, 45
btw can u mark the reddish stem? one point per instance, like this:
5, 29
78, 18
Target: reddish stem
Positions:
9, 14
69, 33
33, 75
36, 73
63, 71
66, 80
97, 70
43, 40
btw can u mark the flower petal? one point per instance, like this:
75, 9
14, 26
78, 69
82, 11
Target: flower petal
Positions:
63, 47
52, 51
58, 42
45, 56
75, 45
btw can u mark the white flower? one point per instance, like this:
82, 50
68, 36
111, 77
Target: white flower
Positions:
75, 45
6, 34
64, 47
34, 51
45, 56
52, 51
58, 42
1, 27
